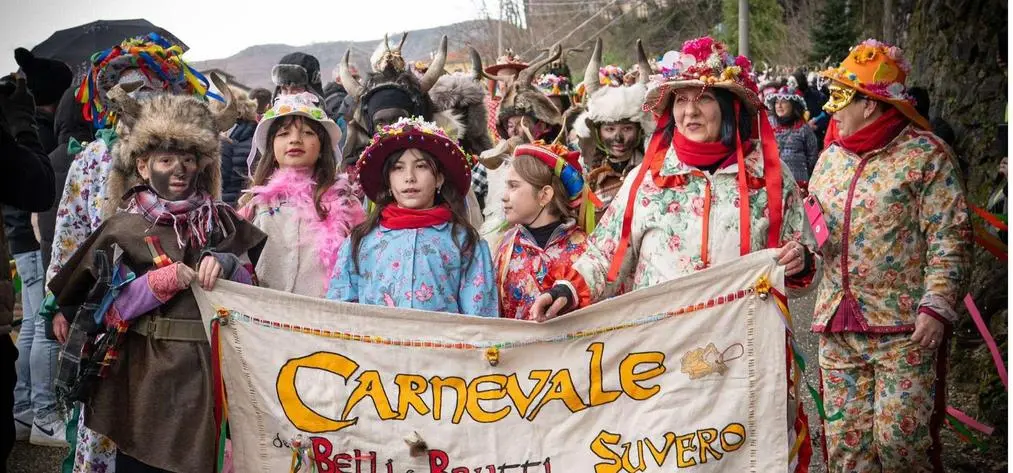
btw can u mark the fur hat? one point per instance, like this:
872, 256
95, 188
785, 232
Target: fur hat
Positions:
46, 78
463, 93
390, 71
299, 69
166, 122
520, 97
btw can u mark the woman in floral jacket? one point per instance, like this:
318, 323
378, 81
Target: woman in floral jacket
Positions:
896, 258
682, 212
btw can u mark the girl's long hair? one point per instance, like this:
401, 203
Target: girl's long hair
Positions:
324, 171
448, 195
538, 174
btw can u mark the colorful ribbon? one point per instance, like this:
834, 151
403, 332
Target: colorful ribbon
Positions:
1000, 365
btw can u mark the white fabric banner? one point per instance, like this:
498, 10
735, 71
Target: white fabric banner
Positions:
686, 375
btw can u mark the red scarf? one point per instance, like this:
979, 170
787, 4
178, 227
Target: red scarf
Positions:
706, 155
400, 218
873, 136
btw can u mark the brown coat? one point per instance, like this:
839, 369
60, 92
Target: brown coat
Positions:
156, 404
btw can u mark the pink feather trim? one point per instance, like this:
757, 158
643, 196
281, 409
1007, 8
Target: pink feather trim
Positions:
296, 187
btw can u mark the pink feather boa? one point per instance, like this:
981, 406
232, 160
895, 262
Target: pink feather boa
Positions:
296, 187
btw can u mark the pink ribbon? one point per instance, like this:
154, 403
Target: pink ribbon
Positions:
968, 421
996, 356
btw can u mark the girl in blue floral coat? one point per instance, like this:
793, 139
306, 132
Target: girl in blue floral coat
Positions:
416, 249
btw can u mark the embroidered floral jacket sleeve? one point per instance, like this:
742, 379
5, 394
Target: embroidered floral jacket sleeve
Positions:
344, 284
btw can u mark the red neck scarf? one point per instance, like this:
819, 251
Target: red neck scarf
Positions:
874, 135
400, 218
706, 155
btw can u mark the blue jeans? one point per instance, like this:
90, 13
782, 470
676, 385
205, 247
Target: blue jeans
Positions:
36, 365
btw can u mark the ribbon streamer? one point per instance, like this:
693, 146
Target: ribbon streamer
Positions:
1000, 365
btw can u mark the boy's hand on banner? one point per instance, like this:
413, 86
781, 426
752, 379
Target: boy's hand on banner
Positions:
208, 272
184, 275
546, 307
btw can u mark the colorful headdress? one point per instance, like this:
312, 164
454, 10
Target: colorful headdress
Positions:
408, 133
565, 164
552, 85
611, 76
879, 71
303, 105
703, 62
157, 59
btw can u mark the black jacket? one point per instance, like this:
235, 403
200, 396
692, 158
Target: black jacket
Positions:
69, 123
18, 223
334, 99
234, 154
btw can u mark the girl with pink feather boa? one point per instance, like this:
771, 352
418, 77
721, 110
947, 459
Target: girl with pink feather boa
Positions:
297, 198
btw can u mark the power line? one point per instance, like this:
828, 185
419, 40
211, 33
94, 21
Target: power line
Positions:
588, 20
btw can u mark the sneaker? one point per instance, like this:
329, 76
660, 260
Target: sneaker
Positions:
49, 434
23, 424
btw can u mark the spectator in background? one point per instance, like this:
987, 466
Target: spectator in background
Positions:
236, 146
263, 98
26, 182
940, 127
814, 101
295, 73
34, 399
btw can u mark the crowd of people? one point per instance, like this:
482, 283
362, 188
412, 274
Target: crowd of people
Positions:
498, 192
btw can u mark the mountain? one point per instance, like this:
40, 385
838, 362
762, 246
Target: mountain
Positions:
252, 66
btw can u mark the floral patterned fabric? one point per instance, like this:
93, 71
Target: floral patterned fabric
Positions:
684, 225
885, 383
80, 209
419, 269
522, 266
899, 233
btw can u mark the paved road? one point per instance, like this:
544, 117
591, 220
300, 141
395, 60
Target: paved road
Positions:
27, 458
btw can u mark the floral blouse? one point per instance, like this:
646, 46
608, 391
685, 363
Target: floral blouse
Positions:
899, 233
419, 269
80, 209
687, 225
522, 266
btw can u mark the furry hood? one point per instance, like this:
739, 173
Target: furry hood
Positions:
614, 104
462, 94
527, 101
166, 122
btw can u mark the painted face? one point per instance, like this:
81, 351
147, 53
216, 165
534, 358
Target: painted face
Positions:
521, 201
296, 145
620, 139
171, 175
413, 181
840, 97
387, 116
292, 89
697, 114
782, 108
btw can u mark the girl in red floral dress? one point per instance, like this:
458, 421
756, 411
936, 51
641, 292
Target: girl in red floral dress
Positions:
543, 188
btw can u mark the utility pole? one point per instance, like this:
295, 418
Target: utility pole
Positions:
888, 22
744, 28
499, 49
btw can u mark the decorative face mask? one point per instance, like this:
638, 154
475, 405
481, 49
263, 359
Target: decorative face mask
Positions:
840, 97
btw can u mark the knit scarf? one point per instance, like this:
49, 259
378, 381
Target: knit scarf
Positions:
706, 155
400, 218
873, 136
295, 187
193, 219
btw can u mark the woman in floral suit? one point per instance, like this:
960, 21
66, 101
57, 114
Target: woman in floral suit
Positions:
895, 262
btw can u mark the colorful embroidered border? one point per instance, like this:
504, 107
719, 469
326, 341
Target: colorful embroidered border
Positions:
375, 339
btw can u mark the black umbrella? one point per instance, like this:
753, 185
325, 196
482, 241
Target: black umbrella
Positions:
76, 45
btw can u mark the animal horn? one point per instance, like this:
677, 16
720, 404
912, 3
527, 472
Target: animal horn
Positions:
386, 42
228, 115
591, 73
350, 83
644, 64
403, 37
436, 68
128, 108
524, 77
476, 64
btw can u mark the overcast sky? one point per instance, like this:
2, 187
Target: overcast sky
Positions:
218, 28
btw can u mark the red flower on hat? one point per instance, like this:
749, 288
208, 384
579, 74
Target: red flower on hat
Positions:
701, 48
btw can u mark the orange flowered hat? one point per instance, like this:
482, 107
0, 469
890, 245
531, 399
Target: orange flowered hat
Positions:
879, 71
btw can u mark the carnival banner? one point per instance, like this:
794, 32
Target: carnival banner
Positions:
688, 375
